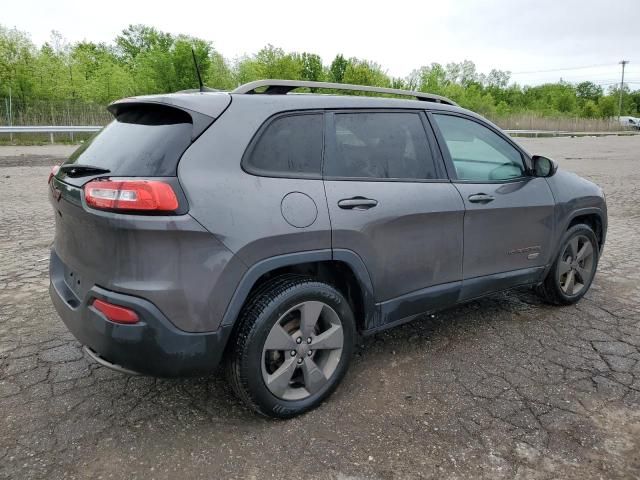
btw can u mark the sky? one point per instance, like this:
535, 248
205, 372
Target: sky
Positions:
537, 40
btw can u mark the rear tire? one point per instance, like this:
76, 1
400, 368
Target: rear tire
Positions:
573, 270
293, 346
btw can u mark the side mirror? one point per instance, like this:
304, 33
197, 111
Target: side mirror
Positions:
543, 166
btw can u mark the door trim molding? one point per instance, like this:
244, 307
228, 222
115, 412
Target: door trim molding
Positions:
407, 307
480, 286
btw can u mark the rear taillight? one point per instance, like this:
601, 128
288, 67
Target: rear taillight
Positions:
115, 313
132, 195
53, 172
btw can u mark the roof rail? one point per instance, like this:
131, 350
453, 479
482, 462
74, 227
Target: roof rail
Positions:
281, 87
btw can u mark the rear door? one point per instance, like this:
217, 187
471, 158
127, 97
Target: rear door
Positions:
508, 224
390, 203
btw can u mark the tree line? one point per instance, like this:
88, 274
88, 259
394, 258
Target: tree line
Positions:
143, 60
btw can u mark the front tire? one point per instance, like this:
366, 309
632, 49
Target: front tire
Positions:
573, 270
293, 346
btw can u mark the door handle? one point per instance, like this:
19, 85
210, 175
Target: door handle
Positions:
481, 198
357, 203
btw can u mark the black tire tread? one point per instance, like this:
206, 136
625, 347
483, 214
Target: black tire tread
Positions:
266, 294
548, 290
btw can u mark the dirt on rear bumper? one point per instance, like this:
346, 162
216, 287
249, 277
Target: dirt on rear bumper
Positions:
153, 346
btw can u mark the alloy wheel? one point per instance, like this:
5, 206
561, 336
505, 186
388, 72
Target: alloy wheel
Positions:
302, 350
575, 268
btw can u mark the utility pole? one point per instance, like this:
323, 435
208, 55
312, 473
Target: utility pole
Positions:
10, 115
623, 63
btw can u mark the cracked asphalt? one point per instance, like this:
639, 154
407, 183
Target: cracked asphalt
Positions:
505, 387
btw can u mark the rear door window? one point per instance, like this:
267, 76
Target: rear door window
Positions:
145, 140
381, 145
289, 146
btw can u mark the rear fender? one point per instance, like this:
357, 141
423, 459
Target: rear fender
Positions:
263, 267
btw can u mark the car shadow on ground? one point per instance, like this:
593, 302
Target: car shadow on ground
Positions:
212, 397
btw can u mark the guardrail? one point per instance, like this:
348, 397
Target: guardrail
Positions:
50, 129
54, 129
561, 133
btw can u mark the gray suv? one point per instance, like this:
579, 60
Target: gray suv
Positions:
266, 230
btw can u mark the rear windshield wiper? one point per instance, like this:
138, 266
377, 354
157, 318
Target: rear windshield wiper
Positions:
78, 170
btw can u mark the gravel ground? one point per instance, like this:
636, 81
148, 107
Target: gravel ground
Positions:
505, 387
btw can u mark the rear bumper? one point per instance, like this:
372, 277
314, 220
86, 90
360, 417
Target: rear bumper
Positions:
153, 346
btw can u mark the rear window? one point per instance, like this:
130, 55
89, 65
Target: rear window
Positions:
288, 146
388, 145
145, 140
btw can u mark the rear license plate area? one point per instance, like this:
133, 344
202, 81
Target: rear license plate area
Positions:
73, 281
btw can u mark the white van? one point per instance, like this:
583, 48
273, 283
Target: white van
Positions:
630, 122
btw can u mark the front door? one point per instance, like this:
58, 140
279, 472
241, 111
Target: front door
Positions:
391, 204
508, 223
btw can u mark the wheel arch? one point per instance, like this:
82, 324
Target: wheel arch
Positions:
343, 269
594, 218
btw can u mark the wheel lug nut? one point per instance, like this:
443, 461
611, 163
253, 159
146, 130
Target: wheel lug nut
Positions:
310, 352
298, 340
299, 360
293, 353
309, 340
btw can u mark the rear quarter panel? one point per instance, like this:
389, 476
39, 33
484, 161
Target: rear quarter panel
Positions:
171, 261
242, 210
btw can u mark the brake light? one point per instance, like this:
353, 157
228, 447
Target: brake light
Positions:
115, 313
143, 195
53, 172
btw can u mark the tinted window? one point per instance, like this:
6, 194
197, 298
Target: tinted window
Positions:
290, 145
142, 141
381, 145
478, 153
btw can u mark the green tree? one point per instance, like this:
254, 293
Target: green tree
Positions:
270, 62
184, 69
463, 73
363, 72
628, 104
143, 59
635, 102
312, 69
96, 74
432, 79
497, 79
565, 102
51, 74
607, 106
138, 39
17, 54
338, 68
588, 91
220, 74
399, 83
590, 109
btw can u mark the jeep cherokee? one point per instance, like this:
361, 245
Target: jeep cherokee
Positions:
266, 230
